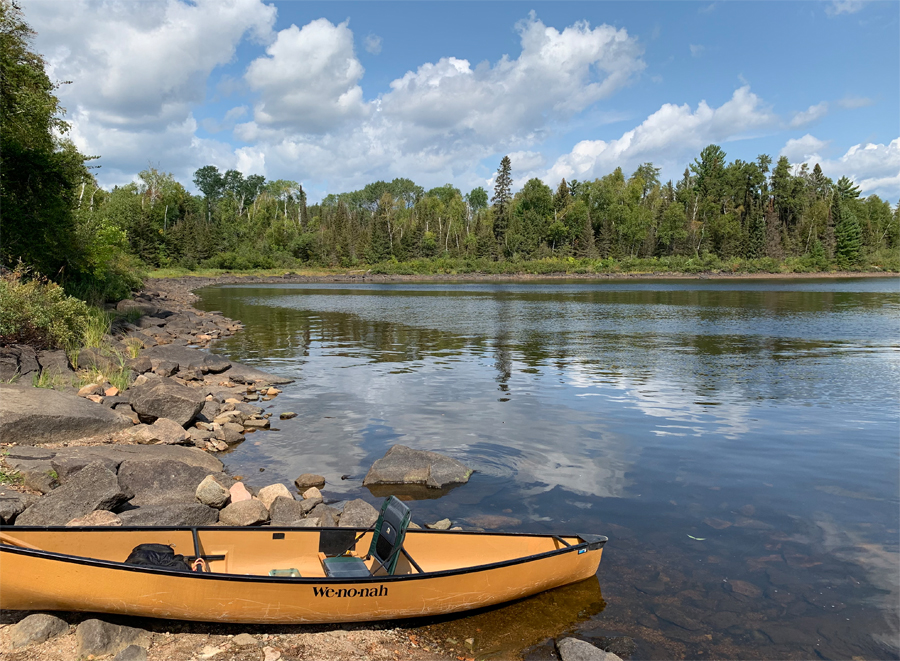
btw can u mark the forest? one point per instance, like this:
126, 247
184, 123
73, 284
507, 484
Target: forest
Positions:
760, 215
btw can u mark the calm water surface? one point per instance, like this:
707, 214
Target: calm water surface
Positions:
737, 442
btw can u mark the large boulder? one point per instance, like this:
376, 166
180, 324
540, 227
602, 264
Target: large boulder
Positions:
268, 494
35, 629
188, 358
141, 307
18, 361
30, 416
187, 515
165, 398
403, 465
98, 638
68, 461
358, 514
244, 513
163, 430
55, 363
286, 511
92, 488
156, 481
212, 492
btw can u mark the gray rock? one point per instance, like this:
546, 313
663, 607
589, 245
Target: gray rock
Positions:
244, 513
171, 514
113, 402
245, 374
212, 492
403, 465
100, 638
164, 367
94, 487
286, 512
156, 481
90, 357
35, 629
199, 437
143, 307
132, 653
55, 363
443, 524
327, 516
358, 514
308, 480
287, 415
248, 409
231, 433
140, 365
189, 358
150, 322
168, 432
120, 453
572, 649
31, 416
18, 361
309, 504
256, 423
13, 503
128, 412
209, 411
165, 398
43, 481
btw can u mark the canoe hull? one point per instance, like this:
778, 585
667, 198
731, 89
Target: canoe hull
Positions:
32, 580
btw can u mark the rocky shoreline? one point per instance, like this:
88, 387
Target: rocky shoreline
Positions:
145, 455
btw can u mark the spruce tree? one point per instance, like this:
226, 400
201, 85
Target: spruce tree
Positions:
501, 199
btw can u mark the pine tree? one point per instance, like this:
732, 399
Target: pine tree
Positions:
501, 199
847, 233
562, 199
586, 246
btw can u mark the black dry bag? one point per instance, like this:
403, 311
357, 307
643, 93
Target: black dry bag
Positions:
158, 556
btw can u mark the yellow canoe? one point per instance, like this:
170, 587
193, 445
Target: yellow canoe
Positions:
262, 575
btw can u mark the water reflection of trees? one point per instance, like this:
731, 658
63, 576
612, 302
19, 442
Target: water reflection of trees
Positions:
687, 337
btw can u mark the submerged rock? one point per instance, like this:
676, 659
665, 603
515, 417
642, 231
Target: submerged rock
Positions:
403, 465
572, 649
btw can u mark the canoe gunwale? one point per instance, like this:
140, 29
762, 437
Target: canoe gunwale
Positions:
594, 542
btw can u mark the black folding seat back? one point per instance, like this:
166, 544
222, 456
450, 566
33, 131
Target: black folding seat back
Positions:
390, 531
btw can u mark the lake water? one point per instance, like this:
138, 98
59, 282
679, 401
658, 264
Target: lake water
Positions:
738, 441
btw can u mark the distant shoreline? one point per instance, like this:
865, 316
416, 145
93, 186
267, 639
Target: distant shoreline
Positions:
193, 282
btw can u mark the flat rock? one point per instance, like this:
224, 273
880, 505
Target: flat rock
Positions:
358, 514
43, 481
244, 513
493, 521
403, 465
116, 454
100, 638
94, 487
165, 398
31, 416
212, 492
443, 524
35, 629
308, 480
246, 374
143, 307
286, 512
572, 649
268, 494
171, 514
245, 640
96, 518
188, 358
55, 363
156, 481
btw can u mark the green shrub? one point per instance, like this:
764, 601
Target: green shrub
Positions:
38, 312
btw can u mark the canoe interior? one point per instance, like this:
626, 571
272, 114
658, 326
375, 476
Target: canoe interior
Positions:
257, 551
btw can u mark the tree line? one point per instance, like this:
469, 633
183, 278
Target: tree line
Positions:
58, 220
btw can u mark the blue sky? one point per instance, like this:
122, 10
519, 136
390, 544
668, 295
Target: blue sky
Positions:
335, 95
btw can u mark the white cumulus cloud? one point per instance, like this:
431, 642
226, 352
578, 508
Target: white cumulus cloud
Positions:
669, 135
802, 149
309, 79
809, 115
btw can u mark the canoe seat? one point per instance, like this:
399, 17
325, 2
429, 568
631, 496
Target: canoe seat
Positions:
388, 534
